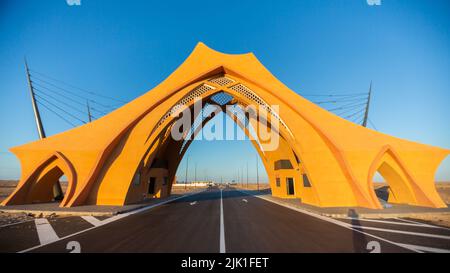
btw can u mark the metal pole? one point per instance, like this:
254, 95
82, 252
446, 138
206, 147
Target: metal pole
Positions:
57, 190
366, 114
257, 173
240, 177
247, 174
37, 116
185, 178
195, 173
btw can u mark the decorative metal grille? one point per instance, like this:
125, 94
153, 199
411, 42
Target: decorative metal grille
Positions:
196, 92
249, 94
222, 80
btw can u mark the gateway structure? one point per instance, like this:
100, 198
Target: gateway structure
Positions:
321, 158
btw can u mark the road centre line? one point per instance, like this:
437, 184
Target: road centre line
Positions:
222, 226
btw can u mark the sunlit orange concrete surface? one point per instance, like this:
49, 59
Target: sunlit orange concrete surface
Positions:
330, 161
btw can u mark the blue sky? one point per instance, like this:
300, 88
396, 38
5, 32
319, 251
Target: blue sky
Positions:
124, 48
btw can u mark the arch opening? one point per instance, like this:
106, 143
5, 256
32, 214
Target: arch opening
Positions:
442, 180
156, 174
221, 161
391, 185
43, 190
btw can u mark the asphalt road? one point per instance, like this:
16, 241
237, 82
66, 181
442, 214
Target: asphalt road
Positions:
231, 221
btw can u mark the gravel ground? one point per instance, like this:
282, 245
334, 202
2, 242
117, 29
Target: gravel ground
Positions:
442, 220
11, 218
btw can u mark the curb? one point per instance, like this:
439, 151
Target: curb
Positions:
45, 213
360, 215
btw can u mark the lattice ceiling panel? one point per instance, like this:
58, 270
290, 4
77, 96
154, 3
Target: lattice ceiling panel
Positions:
196, 92
222, 98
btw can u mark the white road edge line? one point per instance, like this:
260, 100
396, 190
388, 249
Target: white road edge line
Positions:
45, 231
92, 220
428, 249
112, 219
402, 232
389, 222
423, 224
331, 220
222, 226
16, 223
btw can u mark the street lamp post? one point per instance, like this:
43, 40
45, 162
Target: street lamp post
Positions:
195, 175
185, 179
257, 174
247, 175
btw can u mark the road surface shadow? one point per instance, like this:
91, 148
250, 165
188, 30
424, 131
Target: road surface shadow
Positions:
359, 239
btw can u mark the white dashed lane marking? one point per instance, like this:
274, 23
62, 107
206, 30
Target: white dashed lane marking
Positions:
45, 231
49, 235
92, 220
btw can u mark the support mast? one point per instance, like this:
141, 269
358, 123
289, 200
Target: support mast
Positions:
37, 116
57, 190
366, 114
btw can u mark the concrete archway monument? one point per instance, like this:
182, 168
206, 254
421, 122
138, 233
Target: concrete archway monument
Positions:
318, 157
